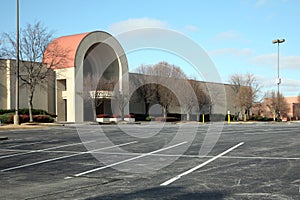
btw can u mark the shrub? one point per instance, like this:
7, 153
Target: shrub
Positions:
166, 119
261, 118
52, 115
102, 116
43, 118
148, 118
7, 118
5, 111
24, 118
25, 111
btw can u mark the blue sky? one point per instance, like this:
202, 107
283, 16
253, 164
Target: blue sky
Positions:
236, 34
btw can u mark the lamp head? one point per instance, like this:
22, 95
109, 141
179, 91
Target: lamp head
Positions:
278, 41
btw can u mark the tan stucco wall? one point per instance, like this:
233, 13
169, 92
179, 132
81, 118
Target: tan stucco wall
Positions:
43, 97
221, 105
69, 75
3, 85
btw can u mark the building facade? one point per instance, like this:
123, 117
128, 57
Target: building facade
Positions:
290, 108
95, 54
71, 93
44, 93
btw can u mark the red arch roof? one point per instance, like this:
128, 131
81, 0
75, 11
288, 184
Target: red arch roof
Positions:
61, 52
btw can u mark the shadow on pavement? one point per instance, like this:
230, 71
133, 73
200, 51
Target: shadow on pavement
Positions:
166, 193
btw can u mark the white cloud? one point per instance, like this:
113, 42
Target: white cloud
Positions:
291, 83
289, 87
231, 51
137, 23
265, 60
228, 35
291, 62
270, 60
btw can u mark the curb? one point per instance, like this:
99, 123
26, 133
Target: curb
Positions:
27, 126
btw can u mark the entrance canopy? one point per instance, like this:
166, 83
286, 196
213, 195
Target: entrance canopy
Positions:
96, 54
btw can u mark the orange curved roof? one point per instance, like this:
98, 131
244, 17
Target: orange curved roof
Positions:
61, 52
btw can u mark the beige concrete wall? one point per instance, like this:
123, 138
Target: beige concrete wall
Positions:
51, 93
222, 96
43, 97
65, 96
3, 85
7, 84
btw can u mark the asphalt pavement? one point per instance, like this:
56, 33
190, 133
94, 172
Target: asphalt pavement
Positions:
152, 161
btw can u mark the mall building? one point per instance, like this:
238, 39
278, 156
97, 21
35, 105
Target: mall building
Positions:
94, 54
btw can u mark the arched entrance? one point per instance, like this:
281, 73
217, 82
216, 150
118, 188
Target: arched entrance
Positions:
100, 75
98, 55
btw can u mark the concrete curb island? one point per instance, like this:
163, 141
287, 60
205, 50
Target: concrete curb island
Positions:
9, 127
27, 126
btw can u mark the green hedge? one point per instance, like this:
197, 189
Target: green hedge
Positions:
25, 111
8, 118
4, 111
261, 118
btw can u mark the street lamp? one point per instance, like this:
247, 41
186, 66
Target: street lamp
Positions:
278, 41
16, 116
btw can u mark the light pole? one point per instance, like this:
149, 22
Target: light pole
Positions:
278, 41
16, 116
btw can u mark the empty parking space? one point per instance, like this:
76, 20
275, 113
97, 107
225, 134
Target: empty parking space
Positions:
256, 161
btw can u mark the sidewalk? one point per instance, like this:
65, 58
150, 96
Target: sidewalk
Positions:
27, 126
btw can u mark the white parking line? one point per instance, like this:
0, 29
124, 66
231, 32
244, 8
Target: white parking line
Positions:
63, 157
199, 166
41, 150
127, 160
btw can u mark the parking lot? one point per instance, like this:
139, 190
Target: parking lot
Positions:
248, 161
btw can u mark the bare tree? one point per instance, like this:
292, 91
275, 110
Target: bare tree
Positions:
203, 99
259, 109
156, 84
34, 40
145, 89
245, 101
246, 89
122, 99
166, 75
193, 98
271, 101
